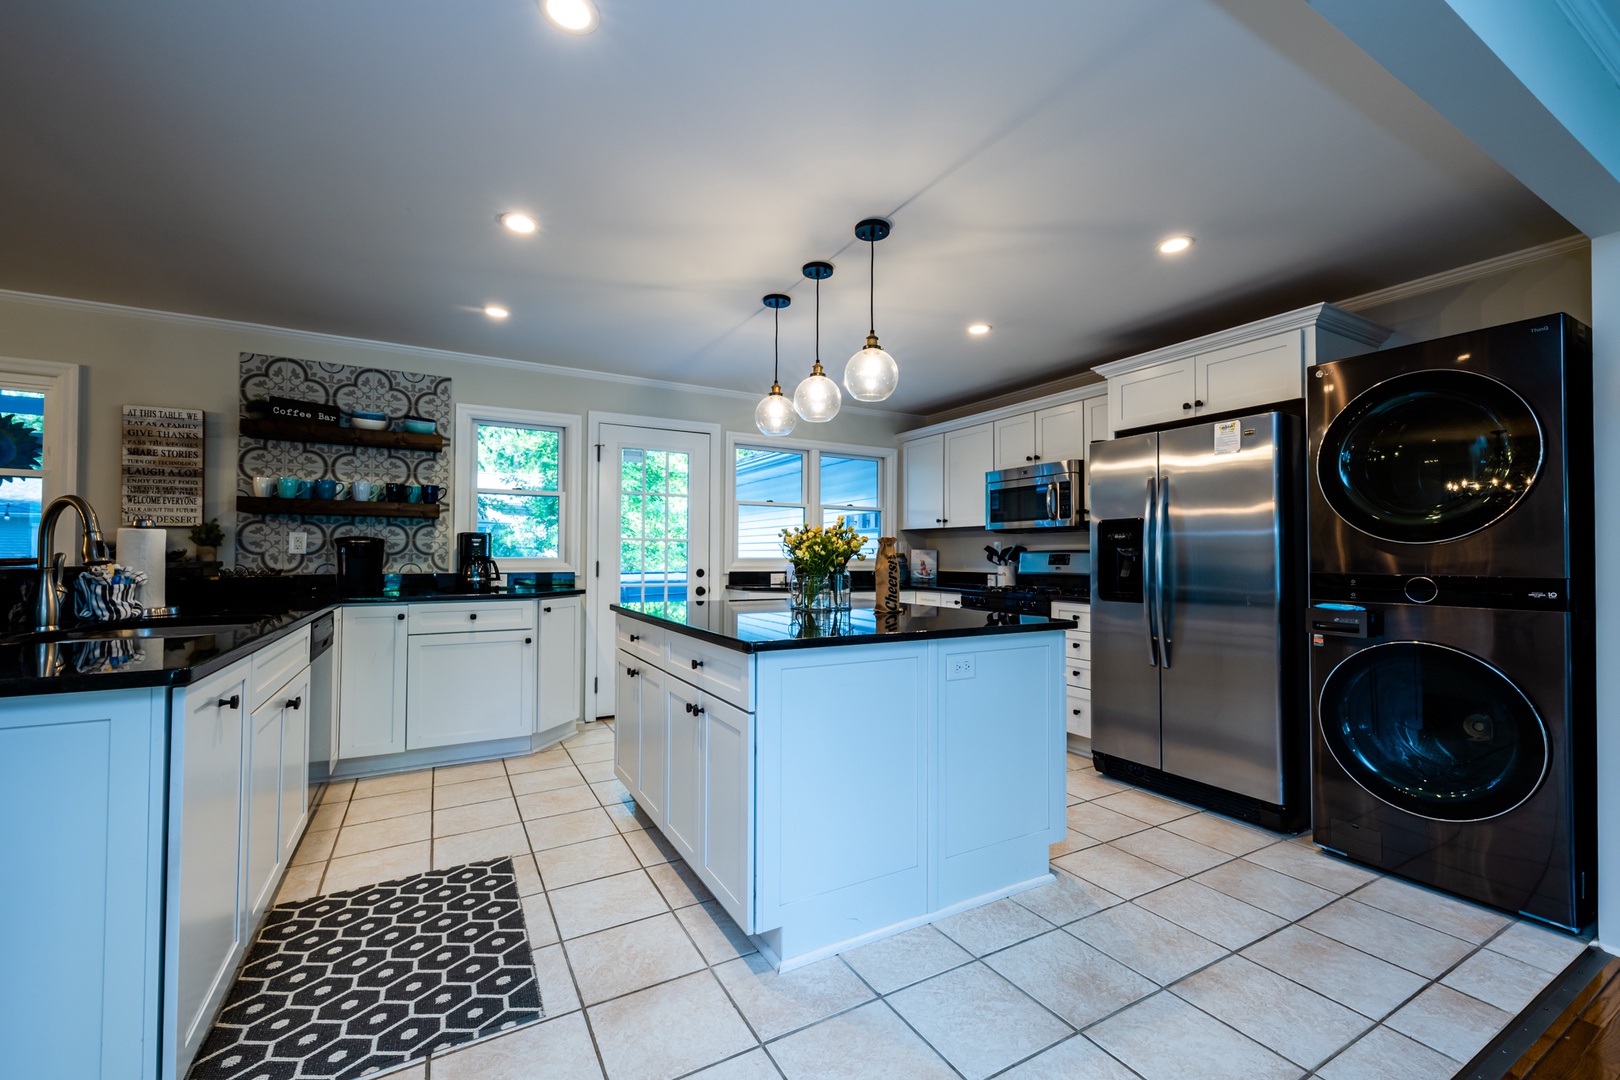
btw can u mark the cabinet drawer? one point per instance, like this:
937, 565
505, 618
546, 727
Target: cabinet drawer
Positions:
641, 640
1078, 713
461, 618
722, 672
1077, 673
275, 665
1079, 646
1080, 613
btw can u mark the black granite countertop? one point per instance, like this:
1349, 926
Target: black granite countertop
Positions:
763, 625
177, 651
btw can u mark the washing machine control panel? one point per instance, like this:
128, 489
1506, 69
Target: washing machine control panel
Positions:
1523, 594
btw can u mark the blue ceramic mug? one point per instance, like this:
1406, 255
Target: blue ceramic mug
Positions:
330, 489
432, 493
290, 487
413, 493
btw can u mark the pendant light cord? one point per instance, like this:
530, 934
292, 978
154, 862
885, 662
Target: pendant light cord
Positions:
776, 349
818, 320
871, 289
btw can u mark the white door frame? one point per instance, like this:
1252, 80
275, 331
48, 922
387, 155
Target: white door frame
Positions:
590, 572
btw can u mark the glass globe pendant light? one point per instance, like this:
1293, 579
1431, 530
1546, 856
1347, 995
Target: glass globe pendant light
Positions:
817, 398
872, 373
774, 414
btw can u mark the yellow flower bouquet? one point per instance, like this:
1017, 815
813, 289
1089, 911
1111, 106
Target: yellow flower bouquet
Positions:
820, 557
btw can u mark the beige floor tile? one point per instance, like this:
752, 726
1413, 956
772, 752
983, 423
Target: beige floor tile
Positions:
373, 867
328, 816
473, 791
1074, 841
558, 994
484, 844
1289, 898
389, 832
977, 1020
1223, 834
628, 817
669, 1030
387, 785
609, 792
1349, 976
300, 883
1094, 819
679, 884
1546, 949
589, 735
992, 926
1498, 980
597, 905
474, 770
315, 847
1283, 1016
528, 875
597, 771
537, 918
1389, 1055
1317, 867
475, 817
1220, 918
651, 847
1088, 783
602, 751
602, 857
1388, 937
1069, 977
754, 1065
1077, 1059
557, 1049
1455, 1024
1145, 806
1164, 1038
334, 791
1446, 914
1172, 852
775, 1004
624, 959
717, 937
1118, 872
1066, 899
381, 807
546, 780
554, 758
550, 832
1146, 943
905, 958
567, 800
870, 1042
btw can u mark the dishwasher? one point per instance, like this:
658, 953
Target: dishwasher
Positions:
323, 697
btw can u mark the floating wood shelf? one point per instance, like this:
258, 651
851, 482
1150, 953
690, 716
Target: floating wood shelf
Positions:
252, 504
309, 431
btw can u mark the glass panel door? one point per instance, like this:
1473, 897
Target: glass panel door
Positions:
22, 473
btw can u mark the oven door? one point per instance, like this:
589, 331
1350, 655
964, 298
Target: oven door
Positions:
1042, 501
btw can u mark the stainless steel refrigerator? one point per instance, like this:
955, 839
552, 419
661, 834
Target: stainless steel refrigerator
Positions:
1199, 685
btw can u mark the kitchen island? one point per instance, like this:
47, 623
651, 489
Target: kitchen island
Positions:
836, 779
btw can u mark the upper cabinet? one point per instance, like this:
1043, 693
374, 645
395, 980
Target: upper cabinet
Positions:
1257, 364
1056, 433
942, 477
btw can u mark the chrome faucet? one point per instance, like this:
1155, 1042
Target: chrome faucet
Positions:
48, 604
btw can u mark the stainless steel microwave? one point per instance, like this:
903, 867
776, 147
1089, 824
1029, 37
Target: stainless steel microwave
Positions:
1050, 495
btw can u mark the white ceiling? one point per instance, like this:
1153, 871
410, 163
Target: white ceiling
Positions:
338, 166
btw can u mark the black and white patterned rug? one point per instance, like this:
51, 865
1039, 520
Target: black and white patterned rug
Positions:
361, 982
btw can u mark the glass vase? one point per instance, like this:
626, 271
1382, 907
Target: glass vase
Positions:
819, 592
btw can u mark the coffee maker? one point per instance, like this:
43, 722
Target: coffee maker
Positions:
359, 565
475, 569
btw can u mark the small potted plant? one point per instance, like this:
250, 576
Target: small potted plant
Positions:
206, 538
819, 555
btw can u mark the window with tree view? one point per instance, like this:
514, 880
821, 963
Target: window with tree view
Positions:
519, 489
22, 475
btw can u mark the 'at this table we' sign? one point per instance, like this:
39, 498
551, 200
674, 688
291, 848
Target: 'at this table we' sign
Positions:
162, 465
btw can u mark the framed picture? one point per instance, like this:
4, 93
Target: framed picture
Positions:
924, 565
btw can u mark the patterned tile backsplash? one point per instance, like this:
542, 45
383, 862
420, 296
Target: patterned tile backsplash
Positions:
414, 545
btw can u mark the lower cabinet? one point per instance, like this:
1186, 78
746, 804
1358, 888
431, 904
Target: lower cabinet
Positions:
562, 661
261, 842
293, 810
466, 688
371, 681
728, 783
683, 815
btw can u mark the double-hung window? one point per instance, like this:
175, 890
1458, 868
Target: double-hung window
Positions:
778, 487
516, 482
38, 436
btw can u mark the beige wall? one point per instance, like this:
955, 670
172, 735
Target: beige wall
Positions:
142, 358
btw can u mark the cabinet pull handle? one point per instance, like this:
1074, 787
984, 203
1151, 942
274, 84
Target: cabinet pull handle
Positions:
696, 664
1027, 457
635, 637
1198, 403
473, 616
232, 702
632, 672
688, 705
545, 609
1076, 712
296, 703
697, 710
1037, 457
528, 641
1186, 405
400, 616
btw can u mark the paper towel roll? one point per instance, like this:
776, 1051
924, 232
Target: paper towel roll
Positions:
146, 551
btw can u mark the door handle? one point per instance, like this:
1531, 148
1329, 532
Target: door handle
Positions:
1162, 536
296, 703
1149, 624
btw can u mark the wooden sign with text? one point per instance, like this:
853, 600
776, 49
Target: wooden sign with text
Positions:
163, 465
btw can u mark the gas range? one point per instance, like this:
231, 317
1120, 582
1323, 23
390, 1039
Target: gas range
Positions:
1043, 576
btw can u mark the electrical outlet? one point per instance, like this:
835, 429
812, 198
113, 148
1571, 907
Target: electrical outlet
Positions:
297, 543
959, 666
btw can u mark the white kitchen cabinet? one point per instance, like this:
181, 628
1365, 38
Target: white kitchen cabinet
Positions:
1056, 433
470, 687
1077, 667
562, 659
969, 454
371, 682
261, 839
683, 815
627, 722
1097, 428
640, 733
1015, 441
728, 785
293, 809
922, 463
1158, 394
1270, 369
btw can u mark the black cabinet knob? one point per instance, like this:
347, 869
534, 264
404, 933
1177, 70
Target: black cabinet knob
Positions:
1028, 457
473, 616
1076, 712
1076, 674
635, 637
697, 710
696, 664
232, 702
528, 641
400, 616
632, 672
1198, 403
296, 703
1186, 405
545, 609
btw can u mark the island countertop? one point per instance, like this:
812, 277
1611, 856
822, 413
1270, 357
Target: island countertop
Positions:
767, 625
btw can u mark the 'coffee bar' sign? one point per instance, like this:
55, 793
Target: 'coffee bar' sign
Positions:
163, 465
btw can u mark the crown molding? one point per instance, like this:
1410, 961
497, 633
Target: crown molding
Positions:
1594, 21
1462, 275
1326, 316
397, 349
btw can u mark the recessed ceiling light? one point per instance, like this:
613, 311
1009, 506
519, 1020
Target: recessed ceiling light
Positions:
519, 223
979, 328
495, 311
1176, 245
574, 16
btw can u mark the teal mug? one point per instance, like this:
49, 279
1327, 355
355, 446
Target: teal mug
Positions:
290, 487
413, 493
330, 489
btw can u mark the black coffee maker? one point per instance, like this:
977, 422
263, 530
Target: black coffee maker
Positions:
359, 565
475, 569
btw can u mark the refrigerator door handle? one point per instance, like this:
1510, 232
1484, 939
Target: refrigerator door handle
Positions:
1161, 541
1149, 620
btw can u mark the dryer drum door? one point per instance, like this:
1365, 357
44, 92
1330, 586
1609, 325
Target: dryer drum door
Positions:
1430, 456
1433, 731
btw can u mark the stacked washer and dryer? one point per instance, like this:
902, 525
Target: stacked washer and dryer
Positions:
1451, 558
